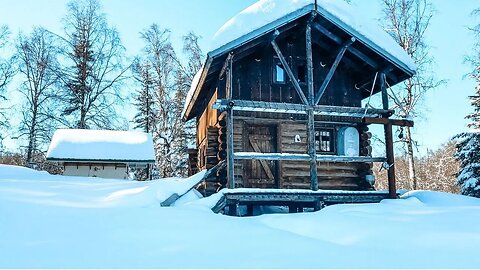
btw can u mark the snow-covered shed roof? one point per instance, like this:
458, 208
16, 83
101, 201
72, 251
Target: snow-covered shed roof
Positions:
83, 145
265, 16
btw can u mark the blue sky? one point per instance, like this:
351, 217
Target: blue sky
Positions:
445, 107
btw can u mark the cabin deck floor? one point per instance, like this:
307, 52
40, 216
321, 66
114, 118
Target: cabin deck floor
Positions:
296, 200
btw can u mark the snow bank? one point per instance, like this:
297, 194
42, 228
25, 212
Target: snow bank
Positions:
83, 144
79, 222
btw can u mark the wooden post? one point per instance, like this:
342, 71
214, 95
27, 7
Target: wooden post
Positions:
392, 190
310, 113
230, 159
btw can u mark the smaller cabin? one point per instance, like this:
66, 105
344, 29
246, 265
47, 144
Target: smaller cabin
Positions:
100, 153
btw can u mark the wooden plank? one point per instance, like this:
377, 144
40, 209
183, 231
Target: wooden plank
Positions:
289, 156
294, 81
332, 70
264, 164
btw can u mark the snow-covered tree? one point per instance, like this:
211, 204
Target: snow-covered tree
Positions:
468, 153
167, 79
468, 147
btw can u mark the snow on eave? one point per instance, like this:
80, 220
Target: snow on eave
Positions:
193, 92
81, 145
219, 50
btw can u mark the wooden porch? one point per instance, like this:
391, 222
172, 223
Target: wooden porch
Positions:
232, 201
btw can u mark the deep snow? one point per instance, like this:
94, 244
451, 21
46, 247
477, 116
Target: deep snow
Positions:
78, 222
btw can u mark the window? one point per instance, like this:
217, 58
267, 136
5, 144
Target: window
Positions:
278, 72
302, 71
324, 141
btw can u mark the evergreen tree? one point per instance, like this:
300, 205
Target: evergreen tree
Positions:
145, 119
468, 147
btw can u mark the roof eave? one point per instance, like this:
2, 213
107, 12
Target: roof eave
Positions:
147, 161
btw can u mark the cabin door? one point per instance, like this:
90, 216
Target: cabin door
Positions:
261, 173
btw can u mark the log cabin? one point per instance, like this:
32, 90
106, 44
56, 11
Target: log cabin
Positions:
283, 98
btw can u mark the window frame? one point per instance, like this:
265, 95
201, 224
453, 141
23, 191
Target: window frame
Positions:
276, 65
332, 142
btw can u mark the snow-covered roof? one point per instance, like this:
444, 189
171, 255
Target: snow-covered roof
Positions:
265, 16
101, 145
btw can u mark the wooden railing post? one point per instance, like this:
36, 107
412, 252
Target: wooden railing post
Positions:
310, 113
392, 189
230, 158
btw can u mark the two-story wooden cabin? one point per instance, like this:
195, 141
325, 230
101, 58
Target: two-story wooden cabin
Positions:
279, 98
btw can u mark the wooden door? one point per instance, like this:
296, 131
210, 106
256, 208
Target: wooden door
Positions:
261, 173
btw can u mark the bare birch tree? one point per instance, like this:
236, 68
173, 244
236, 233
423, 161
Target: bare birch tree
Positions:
159, 52
407, 22
94, 73
7, 71
37, 56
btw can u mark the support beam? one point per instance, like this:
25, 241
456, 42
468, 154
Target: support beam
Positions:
225, 65
332, 70
289, 72
392, 189
338, 40
311, 116
230, 154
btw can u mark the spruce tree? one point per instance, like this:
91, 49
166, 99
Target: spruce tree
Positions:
468, 151
468, 146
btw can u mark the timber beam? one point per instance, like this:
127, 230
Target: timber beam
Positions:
386, 121
339, 41
287, 68
333, 68
225, 65
291, 108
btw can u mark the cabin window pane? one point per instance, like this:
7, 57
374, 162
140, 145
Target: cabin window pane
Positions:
302, 72
278, 72
324, 141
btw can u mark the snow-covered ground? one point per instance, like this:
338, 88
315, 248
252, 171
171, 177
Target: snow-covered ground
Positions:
73, 222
